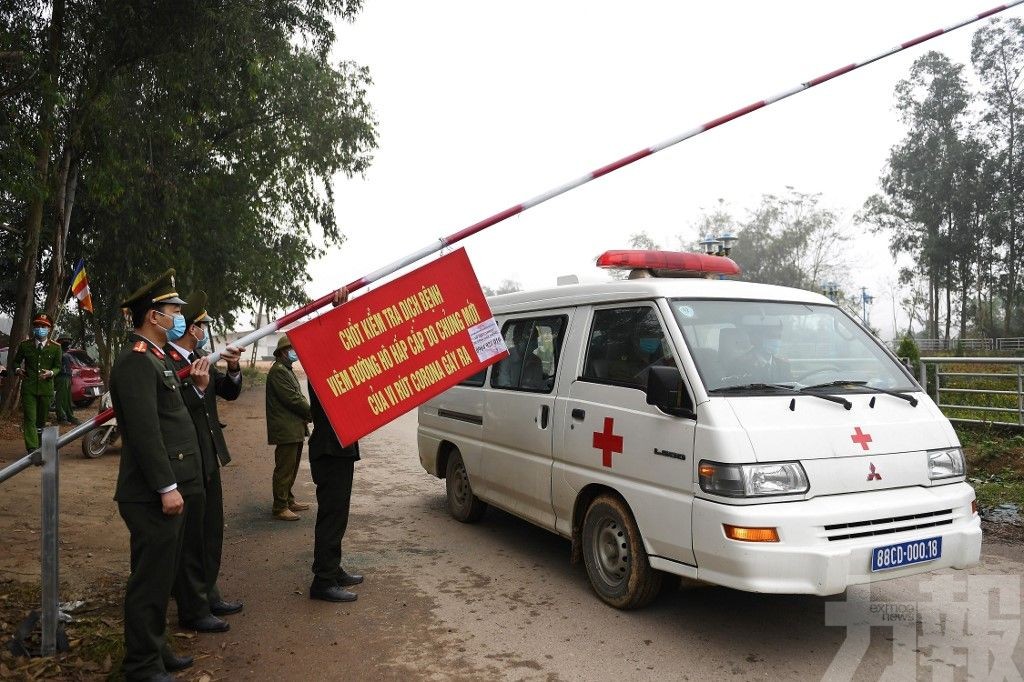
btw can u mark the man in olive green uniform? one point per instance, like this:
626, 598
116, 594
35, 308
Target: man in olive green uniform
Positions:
195, 590
287, 416
41, 359
62, 384
160, 467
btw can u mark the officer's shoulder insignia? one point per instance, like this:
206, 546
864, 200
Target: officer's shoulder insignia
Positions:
139, 347
175, 355
157, 352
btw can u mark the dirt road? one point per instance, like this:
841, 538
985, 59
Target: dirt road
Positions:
443, 600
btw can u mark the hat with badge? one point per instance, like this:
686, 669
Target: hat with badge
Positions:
156, 292
195, 310
282, 343
42, 320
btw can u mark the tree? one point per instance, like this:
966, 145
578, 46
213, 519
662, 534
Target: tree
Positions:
201, 136
930, 203
997, 53
507, 286
791, 240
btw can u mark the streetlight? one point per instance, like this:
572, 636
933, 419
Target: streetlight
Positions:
719, 245
865, 300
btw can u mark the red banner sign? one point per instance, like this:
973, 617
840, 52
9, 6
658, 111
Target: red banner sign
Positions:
392, 349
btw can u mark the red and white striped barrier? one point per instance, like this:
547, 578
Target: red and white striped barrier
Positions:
443, 242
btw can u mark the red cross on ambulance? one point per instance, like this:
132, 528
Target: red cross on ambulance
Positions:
607, 442
861, 438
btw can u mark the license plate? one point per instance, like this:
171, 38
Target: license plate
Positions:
905, 554
93, 390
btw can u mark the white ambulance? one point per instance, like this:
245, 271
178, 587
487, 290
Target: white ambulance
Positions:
672, 424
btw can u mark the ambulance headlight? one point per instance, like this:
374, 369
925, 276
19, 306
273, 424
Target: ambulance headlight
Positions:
946, 463
752, 480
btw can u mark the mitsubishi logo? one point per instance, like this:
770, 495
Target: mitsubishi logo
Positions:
873, 475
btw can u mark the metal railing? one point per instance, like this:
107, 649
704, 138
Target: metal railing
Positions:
1006, 388
47, 458
1016, 343
1001, 344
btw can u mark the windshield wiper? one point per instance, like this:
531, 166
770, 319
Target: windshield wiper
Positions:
782, 387
843, 382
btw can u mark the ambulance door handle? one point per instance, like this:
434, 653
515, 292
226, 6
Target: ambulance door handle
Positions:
543, 416
579, 414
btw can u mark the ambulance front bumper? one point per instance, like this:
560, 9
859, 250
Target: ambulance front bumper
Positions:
825, 543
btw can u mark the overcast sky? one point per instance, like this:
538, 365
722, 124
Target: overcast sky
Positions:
482, 105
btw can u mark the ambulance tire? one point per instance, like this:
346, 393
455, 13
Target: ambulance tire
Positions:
614, 555
463, 505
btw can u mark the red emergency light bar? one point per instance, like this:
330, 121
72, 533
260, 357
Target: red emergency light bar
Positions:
668, 263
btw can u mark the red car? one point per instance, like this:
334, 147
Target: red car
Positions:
86, 384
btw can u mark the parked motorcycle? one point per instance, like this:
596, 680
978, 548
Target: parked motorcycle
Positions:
96, 442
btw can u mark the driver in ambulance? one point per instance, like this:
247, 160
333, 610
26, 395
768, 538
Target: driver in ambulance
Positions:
763, 361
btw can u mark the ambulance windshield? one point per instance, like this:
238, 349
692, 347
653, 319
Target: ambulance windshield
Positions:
737, 343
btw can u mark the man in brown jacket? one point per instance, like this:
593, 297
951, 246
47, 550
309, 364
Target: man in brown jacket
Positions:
287, 416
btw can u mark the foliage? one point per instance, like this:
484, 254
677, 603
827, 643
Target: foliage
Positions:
205, 136
908, 349
507, 286
791, 240
950, 189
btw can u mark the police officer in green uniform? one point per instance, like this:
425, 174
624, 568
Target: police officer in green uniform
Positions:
195, 590
160, 468
41, 358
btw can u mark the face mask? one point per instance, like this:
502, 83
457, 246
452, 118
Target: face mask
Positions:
200, 342
41, 332
291, 355
773, 346
650, 345
178, 329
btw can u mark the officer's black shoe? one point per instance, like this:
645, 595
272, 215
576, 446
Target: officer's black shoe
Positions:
210, 623
176, 663
334, 593
225, 608
349, 579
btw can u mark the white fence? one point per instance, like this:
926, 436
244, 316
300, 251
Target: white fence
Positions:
1014, 343
1005, 383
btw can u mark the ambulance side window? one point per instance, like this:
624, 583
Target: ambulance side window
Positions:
624, 344
476, 380
534, 345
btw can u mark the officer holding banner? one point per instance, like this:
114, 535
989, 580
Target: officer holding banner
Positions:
332, 466
160, 468
195, 589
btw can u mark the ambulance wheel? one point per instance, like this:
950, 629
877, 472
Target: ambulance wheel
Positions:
463, 505
614, 555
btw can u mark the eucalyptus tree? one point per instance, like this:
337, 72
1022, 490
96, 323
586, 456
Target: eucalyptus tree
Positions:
929, 178
998, 57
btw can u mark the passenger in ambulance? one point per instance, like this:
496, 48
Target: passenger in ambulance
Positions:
522, 368
630, 359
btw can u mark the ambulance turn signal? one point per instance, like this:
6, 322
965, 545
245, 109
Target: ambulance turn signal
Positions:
750, 534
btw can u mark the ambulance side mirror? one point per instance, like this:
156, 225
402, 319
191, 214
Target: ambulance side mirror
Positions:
665, 391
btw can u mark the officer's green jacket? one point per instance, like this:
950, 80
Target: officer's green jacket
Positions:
36, 360
204, 410
287, 409
159, 445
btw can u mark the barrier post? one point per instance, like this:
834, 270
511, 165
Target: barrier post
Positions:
50, 489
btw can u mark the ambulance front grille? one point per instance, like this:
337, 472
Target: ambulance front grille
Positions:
885, 526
